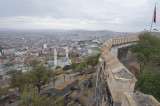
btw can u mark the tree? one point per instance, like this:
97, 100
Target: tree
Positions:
148, 55
4, 91
17, 80
89, 61
81, 67
39, 75
93, 60
147, 49
12, 72
34, 63
30, 98
73, 66
148, 82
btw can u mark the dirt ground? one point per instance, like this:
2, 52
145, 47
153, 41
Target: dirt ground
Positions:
86, 98
8, 99
72, 79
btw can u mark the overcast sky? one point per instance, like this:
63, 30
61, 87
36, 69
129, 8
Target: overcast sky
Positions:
116, 15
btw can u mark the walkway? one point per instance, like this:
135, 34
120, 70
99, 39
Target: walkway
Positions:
114, 50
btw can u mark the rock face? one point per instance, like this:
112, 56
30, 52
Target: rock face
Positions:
114, 80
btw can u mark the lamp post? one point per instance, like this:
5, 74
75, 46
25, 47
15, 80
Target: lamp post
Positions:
145, 30
155, 30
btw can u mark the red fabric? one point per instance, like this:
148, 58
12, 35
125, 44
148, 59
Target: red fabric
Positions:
154, 15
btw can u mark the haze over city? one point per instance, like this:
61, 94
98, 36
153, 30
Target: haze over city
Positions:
116, 15
79, 53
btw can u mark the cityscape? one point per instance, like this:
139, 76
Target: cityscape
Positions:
19, 49
54, 49
79, 53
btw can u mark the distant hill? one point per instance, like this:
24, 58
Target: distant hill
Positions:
94, 33
74, 32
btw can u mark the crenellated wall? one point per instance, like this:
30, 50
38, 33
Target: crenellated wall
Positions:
114, 80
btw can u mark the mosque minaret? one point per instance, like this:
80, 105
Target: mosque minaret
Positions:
55, 57
63, 61
67, 51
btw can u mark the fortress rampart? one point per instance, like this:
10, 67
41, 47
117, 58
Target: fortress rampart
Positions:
115, 83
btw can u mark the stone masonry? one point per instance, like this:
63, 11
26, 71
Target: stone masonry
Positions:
115, 83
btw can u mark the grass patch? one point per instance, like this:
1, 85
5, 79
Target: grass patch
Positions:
96, 48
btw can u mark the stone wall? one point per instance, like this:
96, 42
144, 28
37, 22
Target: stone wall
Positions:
123, 52
114, 80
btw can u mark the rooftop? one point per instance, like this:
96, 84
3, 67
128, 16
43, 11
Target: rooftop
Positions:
52, 64
63, 59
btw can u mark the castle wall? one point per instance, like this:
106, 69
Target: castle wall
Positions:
109, 66
115, 83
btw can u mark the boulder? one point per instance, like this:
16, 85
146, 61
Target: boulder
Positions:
72, 88
87, 83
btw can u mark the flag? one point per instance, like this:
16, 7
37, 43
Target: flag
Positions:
154, 19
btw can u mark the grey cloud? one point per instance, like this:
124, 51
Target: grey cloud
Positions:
118, 15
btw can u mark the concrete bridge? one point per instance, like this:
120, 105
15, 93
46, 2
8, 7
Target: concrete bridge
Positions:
115, 83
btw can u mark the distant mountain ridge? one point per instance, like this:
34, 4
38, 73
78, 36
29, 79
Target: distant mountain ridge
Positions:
76, 32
